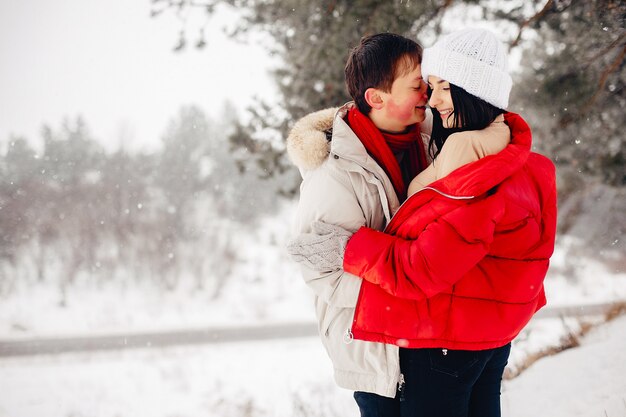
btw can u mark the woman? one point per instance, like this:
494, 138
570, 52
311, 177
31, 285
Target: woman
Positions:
459, 270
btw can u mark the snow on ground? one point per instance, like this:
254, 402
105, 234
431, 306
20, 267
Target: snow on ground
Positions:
274, 378
290, 378
587, 381
575, 277
265, 287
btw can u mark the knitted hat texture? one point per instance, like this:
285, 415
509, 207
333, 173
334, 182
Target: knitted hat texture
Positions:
474, 60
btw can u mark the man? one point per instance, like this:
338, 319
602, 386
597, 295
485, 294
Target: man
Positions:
356, 167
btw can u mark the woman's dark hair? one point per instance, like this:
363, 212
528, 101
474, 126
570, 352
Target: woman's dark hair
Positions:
470, 113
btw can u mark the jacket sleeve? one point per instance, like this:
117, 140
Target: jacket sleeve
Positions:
430, 263
329, 197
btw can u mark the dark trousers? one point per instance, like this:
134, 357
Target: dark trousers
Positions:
452, 383
373, 405
438, 383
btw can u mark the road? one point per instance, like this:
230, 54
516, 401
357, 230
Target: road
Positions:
213, 335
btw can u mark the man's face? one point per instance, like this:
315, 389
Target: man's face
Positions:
405, 104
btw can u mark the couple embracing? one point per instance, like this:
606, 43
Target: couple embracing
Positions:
425, 225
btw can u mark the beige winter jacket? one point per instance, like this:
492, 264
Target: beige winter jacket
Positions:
343, 185
462, 148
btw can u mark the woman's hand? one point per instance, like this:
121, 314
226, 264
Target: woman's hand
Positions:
322, 249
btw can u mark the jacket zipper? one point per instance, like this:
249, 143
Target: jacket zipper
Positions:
348, 337
452, 197
401, 387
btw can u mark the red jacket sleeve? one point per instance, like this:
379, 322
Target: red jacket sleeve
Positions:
432, 262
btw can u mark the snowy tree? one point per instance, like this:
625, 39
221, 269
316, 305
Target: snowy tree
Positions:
571, 87
313, 38
19, 192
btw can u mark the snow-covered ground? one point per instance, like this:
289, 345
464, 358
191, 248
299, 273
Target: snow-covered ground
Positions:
265, 287
586, 381
290, 378
229, 380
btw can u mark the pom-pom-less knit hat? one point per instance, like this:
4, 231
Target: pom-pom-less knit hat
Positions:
474, 60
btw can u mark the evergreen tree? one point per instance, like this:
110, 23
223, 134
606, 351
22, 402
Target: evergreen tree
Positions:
573, 87
313, 39
572, 82
19, 191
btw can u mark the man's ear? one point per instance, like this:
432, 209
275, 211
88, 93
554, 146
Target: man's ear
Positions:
374, 98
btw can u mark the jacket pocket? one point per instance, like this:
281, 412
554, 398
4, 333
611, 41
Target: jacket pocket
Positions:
337, 321
454, 363
332, 315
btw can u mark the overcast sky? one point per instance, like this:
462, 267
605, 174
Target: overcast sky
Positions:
108, 61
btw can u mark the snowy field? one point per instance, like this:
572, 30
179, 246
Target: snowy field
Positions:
290, 378
265, 287
587, 381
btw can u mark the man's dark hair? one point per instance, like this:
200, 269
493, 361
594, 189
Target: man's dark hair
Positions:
376, 62
470, 113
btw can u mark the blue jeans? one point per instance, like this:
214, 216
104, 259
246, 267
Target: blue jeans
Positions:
373, 405
452, 383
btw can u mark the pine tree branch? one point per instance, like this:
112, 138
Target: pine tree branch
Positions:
439, 9
436, 13
605, 74
612, 67
607, 49
532, 19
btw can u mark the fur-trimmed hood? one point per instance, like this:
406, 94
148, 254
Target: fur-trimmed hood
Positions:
307, 143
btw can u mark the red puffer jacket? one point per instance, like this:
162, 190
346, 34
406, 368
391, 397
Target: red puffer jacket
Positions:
461, 264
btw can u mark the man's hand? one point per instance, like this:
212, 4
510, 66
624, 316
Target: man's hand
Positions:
322, 249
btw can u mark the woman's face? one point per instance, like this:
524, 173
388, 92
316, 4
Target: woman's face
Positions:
441, 99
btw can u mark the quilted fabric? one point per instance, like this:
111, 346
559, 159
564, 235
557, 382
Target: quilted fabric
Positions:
461, 265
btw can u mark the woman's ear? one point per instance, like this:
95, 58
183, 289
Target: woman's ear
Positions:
374, 98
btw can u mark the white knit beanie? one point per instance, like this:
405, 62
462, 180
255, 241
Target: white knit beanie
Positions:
474, 60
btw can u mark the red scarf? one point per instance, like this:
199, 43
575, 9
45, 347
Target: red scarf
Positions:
383, 147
